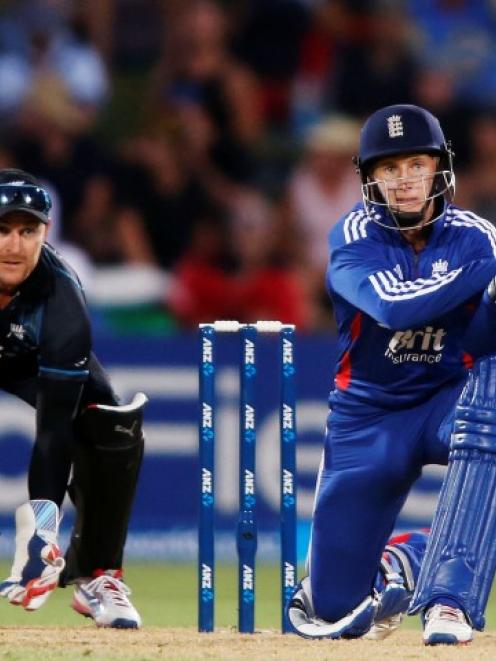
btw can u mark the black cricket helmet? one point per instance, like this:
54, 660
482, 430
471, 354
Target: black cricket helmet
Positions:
21, 191
404, 129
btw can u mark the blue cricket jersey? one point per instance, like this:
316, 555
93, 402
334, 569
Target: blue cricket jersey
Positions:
409, 323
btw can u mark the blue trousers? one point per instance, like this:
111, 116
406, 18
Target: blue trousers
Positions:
372, 457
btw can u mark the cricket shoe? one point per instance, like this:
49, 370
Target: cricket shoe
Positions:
302, 616
394, 598
445, 625
393, 604
38, 561
105, 598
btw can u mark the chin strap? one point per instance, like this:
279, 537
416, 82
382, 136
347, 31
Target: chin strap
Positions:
408, 219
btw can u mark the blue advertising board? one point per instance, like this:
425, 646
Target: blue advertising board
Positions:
164, 520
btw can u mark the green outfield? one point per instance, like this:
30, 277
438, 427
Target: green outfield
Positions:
165, 595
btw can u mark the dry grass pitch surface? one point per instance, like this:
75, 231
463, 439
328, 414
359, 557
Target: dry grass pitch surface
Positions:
53, 643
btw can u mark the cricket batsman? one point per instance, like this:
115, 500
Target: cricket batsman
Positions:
411, 278
46, 360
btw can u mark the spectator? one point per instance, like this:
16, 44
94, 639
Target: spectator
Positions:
48, 52
333, 26
269, 37
74, 254
434, 88
198, 80
95, 224
52, 139
323, 186
233, 270
160, 201
477, 186
377, 70
459, 35
50, 126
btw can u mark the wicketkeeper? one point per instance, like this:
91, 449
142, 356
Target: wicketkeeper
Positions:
47, 361
415, 383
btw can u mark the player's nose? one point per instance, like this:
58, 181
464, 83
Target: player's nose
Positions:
13, 243
405, 182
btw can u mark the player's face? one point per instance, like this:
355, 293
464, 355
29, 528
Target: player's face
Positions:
405, 182
21, 240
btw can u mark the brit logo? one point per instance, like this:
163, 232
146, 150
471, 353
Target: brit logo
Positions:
440, 267
417, 346
395, 126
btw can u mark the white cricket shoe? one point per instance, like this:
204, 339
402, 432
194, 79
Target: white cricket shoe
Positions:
445, 625
38, 561
105, 599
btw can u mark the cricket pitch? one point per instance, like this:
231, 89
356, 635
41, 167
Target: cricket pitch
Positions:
54, 643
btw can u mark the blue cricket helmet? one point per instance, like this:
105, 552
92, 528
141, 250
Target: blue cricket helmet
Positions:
400, 129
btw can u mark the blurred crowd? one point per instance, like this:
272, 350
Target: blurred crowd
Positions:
198, 151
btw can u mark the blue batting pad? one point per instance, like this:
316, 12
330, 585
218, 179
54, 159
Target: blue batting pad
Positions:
460, 560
